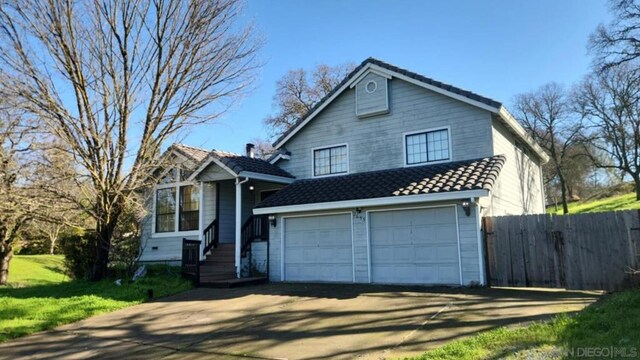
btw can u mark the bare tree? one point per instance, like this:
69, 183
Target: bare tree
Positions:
619, 41
546, 115
114, 80
298, 91
263, 148
17, 201
610, 102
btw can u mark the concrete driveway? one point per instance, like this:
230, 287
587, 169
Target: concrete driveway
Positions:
295, 321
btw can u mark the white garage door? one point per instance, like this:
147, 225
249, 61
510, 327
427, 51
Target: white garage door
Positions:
417, 246
318, 248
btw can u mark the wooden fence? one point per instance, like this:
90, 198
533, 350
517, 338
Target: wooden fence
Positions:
584, 251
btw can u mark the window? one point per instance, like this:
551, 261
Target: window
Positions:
427, 146
165, 210
177, 206
328, 161
189, 208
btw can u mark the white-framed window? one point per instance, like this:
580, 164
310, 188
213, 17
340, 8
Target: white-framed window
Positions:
427, 146
331, 160
176, 204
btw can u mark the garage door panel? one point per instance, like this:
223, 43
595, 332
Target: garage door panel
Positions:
416, 246
318, 248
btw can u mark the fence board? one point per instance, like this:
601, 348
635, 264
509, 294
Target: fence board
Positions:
582, 251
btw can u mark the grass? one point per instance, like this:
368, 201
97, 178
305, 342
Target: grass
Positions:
618, 202
40, 297
612, 322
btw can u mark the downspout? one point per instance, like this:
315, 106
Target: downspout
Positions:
239, 223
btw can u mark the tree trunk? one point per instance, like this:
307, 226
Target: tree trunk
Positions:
52, 245
636, 183
104, 233
5, 258
563, 191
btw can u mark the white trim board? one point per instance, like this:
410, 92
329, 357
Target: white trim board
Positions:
393, 200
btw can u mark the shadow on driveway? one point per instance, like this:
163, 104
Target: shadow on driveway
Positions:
297, 321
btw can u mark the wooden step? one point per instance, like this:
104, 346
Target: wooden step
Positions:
235, 282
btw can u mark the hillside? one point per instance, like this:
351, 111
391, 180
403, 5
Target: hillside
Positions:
611, 203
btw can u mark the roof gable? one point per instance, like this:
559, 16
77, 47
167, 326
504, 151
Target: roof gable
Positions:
380, 67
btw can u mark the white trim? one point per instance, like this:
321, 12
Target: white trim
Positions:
328, 147
512, 123
459, 247
280, 156
282, 250
368, 224
353, 249
483, 276
211, 159
238, 226
355, 81
282, 238
424, 131
266, 177
172, 165
201, 219
176, 226
392, 200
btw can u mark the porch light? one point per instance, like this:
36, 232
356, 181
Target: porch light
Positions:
466, 206
251, 187
272, 220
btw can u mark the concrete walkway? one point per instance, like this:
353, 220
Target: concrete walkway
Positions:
294, 321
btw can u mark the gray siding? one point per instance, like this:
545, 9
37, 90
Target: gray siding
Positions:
227, 208
376, 102
377, 142
468, 234
519, 188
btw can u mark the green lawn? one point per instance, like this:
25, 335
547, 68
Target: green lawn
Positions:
41, 297
612, 322
619, 202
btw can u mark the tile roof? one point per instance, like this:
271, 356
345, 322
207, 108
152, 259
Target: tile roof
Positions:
475, 174
411, 74
194, 153
236, 162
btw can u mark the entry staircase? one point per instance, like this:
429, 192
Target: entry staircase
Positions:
218, 267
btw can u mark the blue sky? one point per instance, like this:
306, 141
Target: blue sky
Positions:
495, 48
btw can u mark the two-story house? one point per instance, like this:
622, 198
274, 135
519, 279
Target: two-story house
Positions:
385, 181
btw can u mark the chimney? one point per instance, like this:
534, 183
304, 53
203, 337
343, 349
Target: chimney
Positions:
250, 149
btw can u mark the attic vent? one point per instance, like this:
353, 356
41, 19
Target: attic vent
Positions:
372, 96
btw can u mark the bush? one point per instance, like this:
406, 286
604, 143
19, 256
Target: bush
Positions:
79, 253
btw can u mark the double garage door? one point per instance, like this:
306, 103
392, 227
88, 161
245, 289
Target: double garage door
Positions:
415, 246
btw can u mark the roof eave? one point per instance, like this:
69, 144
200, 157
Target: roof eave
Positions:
515, 126
382, 201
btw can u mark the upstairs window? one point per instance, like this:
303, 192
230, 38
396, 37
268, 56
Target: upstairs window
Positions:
427, 146
330, 160
177, 204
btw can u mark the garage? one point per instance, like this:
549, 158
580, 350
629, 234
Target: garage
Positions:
318, 248
414, 246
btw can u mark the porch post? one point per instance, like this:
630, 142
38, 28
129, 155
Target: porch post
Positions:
239, 223
201, 219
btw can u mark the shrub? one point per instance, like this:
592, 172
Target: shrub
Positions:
79, 253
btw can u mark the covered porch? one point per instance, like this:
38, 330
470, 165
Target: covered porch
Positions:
231, 241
